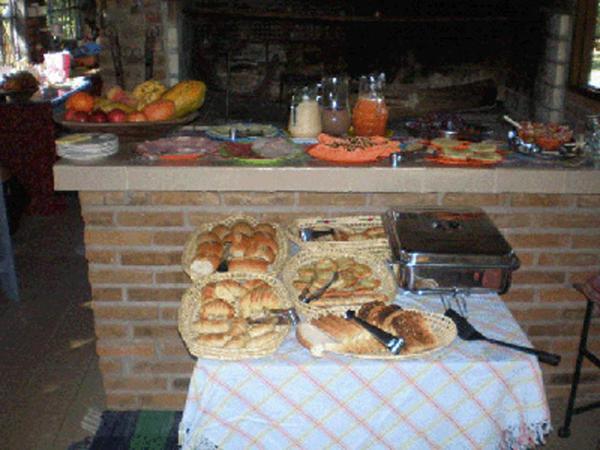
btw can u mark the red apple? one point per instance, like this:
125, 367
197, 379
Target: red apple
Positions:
70, 115
117, 115
98, 117
80, 116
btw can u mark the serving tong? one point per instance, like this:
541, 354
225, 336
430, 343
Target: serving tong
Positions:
310, 234
306, 297
393, 343
467, 332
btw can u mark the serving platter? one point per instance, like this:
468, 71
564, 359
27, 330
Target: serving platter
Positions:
565, 151
244, 132
127, 131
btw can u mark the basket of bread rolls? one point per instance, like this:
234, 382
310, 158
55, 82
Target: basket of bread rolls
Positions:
423, 332
246, 245
346, 233
232, 316
359, 279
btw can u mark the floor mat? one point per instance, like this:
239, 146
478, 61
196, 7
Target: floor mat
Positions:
134, 430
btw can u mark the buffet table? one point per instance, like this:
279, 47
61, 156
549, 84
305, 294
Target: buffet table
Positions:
468, 395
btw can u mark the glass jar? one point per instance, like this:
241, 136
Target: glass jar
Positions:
370, 113
335, 111
305, 114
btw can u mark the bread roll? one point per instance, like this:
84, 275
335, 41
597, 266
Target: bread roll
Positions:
248, 265
217, 309
325, 265
352, 337
266, 228
213, 339
205, 265
242, 227
239, 327
207, 237
267, 240
239, 249
221, 231
229, 290
260, 251
210, 249
234, 237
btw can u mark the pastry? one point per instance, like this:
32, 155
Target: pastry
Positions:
237, 342
260, 329
229, 290
255, 283
256, 301
217, 309
260, 251
233, 237
213, 339
262, 340
212, 326
208, 291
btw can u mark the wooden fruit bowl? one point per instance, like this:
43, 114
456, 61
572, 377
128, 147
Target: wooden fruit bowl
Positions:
128, 131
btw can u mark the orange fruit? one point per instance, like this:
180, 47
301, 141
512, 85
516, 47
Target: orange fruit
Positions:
160, 110
136, 116
80, 101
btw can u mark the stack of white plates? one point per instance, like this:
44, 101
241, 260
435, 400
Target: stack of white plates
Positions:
86, 146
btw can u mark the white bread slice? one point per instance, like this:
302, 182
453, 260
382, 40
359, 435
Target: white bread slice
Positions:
315, 340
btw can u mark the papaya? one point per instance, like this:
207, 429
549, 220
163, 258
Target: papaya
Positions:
148, 92
187, 95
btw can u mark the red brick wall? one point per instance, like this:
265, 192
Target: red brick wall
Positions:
134, 242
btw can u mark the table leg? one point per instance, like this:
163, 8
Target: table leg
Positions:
8, 277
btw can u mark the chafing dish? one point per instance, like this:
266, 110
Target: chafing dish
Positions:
440, 250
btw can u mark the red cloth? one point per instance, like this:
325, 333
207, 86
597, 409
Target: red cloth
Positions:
28, 151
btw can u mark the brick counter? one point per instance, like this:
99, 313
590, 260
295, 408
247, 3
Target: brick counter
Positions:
134, 241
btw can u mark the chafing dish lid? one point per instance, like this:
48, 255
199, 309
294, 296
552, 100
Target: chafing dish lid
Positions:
441, 235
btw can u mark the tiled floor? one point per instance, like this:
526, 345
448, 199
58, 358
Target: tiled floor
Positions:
49, 376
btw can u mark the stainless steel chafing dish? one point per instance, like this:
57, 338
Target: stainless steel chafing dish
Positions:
449, 251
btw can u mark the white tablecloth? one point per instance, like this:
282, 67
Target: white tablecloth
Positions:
470, 395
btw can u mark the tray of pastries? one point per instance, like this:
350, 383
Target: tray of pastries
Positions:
360, 279
340, 233
246, 244
233, 316
423, 332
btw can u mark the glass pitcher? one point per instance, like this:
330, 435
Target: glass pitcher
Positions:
370, 114
335, 111
305, 113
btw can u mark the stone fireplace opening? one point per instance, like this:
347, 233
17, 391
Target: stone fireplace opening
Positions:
437, 56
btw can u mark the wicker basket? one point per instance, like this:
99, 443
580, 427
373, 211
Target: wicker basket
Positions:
189, 249
377, 247
310, 311
441, 326
191, 303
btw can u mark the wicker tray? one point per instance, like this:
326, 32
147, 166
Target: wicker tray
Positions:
189, 308
378, 247
441, 326
309, 311
189, 249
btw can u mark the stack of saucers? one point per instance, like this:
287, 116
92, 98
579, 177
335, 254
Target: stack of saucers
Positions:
86, 146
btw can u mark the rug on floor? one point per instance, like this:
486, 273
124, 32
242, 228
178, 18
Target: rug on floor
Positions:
134, 430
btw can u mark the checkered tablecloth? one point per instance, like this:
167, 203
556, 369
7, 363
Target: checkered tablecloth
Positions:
470, 395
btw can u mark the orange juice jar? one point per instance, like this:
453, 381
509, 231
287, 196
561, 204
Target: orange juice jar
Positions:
370, 114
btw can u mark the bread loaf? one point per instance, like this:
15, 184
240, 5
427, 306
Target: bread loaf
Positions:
209, 249
207, 237
221, 231
242, 227
266, 228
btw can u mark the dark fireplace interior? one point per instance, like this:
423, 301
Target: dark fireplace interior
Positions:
456, 55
